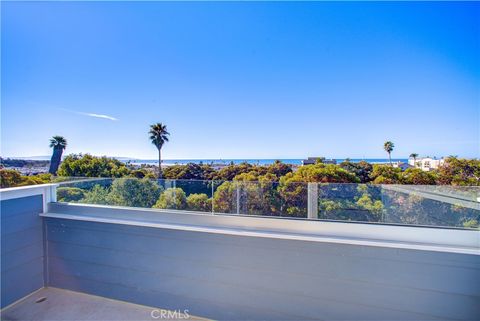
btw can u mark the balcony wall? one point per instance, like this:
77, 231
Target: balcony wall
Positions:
232, 274
231, 267
22, 247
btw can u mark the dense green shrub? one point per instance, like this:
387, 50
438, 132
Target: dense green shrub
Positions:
70, 194
172, 198
199, 202
12, 178
91, 166
134, 192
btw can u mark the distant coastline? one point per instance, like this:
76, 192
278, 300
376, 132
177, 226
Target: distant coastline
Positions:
253, 161
292, 161
39, 164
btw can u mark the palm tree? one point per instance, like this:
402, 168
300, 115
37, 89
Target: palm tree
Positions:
388, 146
414, 156
58, 143
159, 135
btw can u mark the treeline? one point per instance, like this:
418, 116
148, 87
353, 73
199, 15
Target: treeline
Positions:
271, 190
13, 178
455, 171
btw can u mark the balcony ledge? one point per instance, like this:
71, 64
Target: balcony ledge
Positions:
377, 235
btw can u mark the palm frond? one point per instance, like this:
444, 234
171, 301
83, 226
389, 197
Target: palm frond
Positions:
158, 134
58, 142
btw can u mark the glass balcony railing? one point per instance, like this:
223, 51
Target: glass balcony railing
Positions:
440, 206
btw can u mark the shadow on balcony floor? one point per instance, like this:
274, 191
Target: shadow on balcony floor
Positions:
63, 305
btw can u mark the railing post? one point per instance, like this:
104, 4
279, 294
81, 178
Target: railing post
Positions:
238, 198
312, 201
213, 189
49, 196
174, 185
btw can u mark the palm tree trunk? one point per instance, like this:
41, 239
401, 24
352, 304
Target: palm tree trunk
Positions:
390, 158
55, 160
159, 164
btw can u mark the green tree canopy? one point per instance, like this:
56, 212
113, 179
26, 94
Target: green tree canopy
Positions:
321, 173
70, 194
225, 198
189, 171
362, 169
97, 195
416, 176
134, 192
227, 173
458, 171
13, 178
86, 165
293, 187
199, 202
383, 174
172, 198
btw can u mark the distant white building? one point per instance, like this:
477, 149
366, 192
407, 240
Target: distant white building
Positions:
402, 165
314, 160
426, 163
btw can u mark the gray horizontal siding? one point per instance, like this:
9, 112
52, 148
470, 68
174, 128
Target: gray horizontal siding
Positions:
22, 247
234, 277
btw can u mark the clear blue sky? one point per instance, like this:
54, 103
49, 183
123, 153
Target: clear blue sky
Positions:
241, 80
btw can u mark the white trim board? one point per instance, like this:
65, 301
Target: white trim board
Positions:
24, 191
48, 192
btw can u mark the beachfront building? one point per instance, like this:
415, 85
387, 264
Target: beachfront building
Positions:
314, 160
426, 163
402, 165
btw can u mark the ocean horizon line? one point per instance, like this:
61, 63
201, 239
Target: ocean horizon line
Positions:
44, 157
253, 161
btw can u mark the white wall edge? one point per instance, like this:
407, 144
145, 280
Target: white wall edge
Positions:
48, 192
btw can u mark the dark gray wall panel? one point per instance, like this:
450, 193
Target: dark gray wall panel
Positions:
20, 222
22, 266
20, 205
16, 241
259, 278
25, 255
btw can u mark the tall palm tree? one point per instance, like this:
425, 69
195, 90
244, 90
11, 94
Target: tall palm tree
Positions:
388, 146
58, 143
414, 156
159, 135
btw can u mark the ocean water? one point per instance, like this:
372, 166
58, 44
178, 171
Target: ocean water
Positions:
293, 161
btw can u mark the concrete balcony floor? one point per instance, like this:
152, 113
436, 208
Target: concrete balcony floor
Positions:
63, 305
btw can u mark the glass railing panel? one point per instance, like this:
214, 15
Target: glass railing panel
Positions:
293, 199
129, 192
259, 198
225, 197
442, 206
85, 190
350, 202
196, 195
